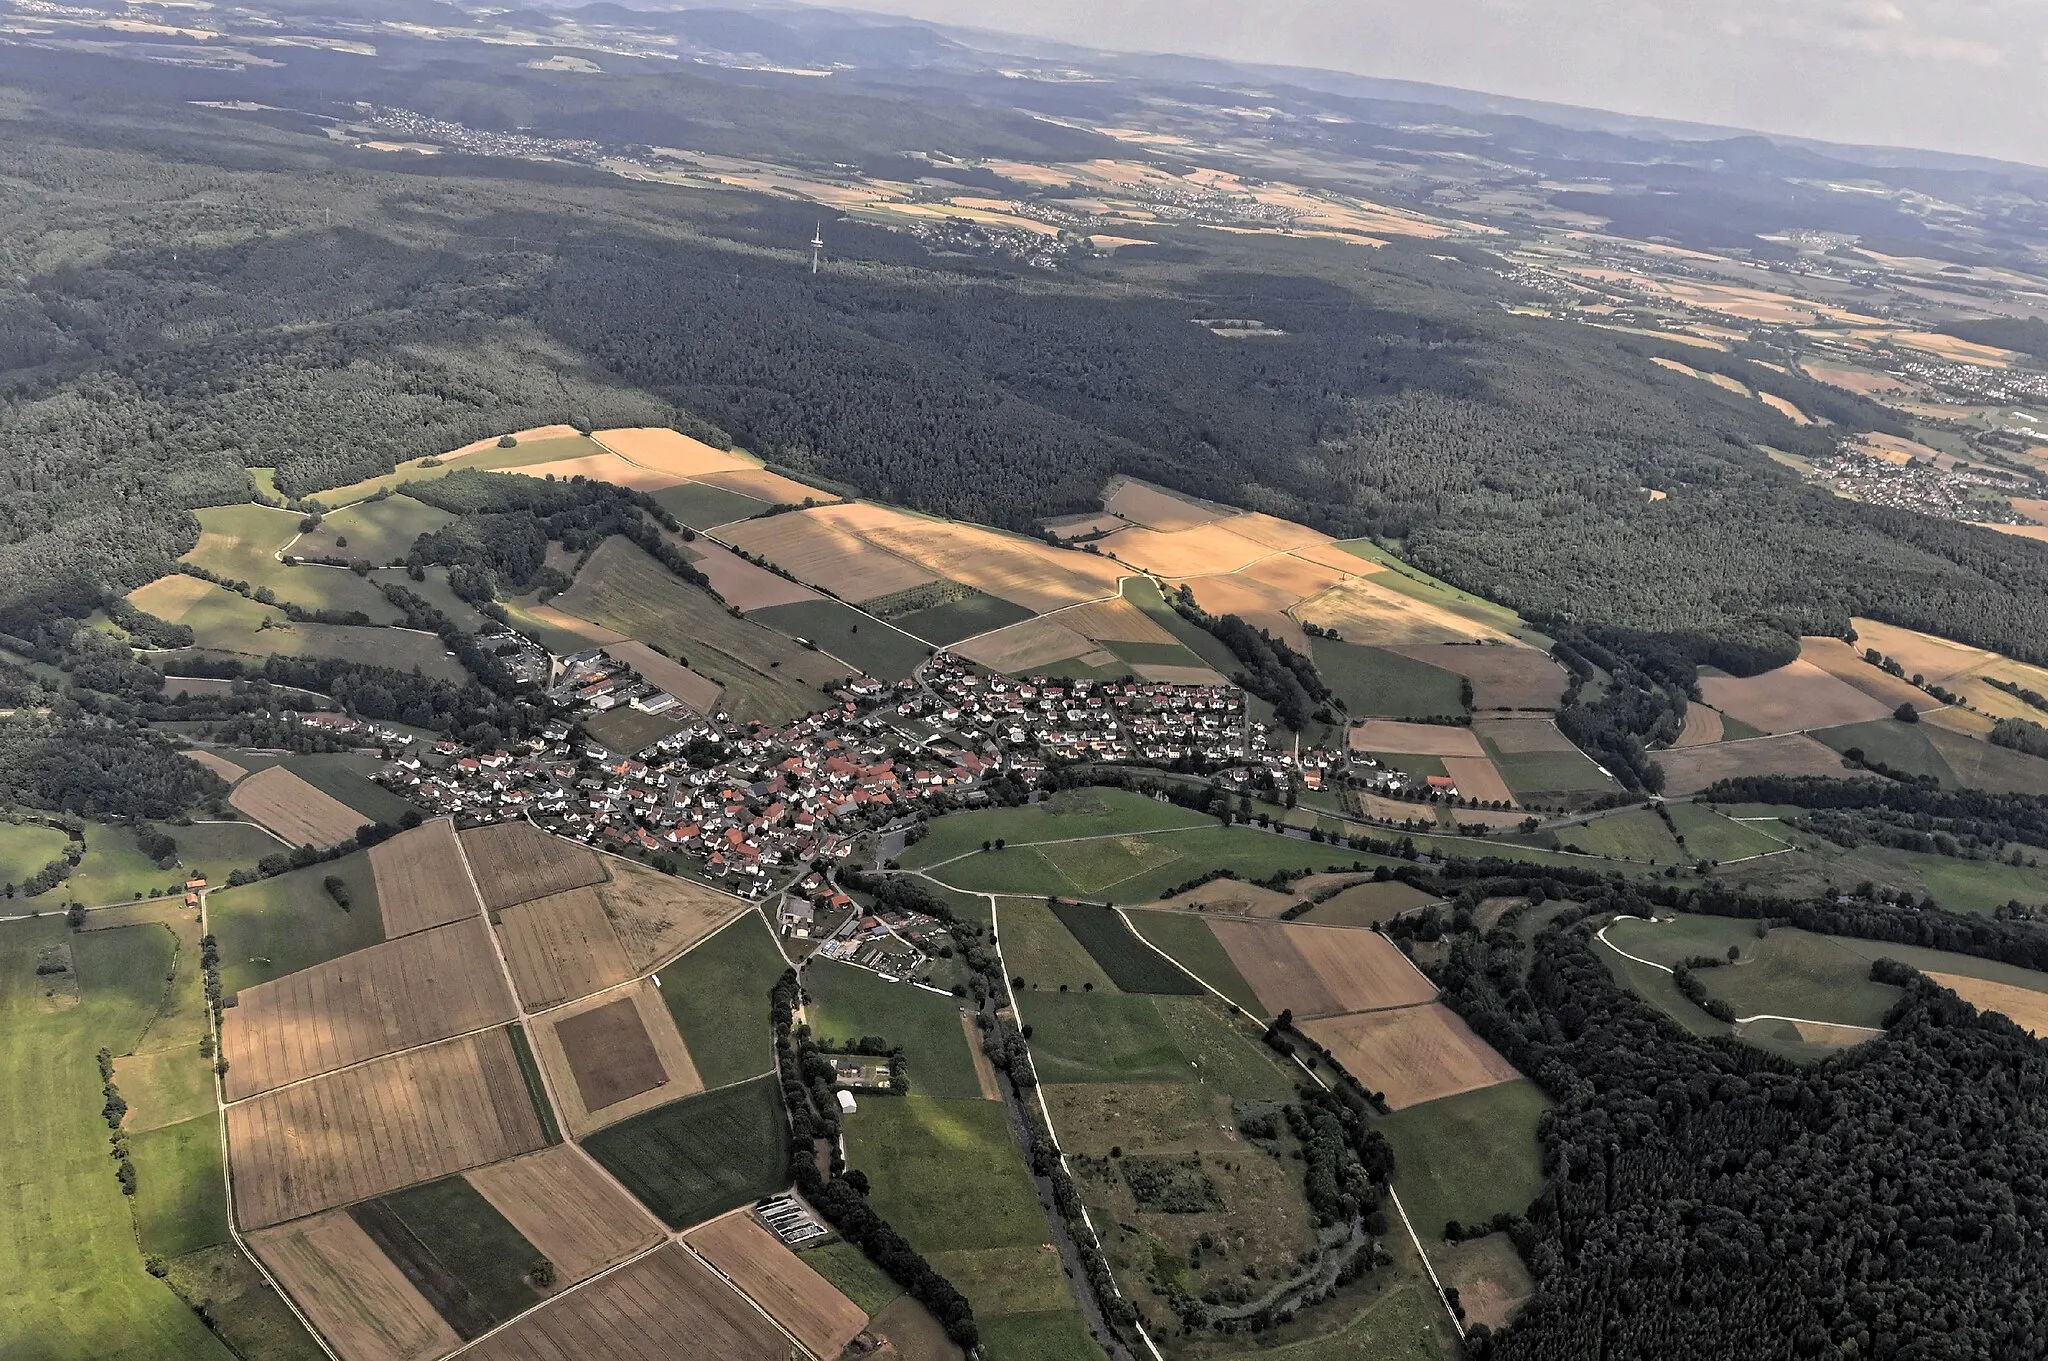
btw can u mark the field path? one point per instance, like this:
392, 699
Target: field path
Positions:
1601, 936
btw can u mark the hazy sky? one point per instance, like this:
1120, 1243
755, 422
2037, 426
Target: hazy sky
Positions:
1957, 75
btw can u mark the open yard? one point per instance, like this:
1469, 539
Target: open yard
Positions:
1468, 1157
1411, 1054
657, 1308
1321, 970
72, 1286
849, 1002
363, 1131
572, 1214
775, 1278
407, 992
765, 675
295, 810
718, 996
703, 1155
420, 881
516, 862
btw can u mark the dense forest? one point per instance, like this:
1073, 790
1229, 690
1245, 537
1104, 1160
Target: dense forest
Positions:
1709, 1200
264, 299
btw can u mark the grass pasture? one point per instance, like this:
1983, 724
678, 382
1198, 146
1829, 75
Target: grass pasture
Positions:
929, 1158
1368, 904
701, 505
180, 1202
26, 847
881, 650
703, 1155
281, 925
1468, 1157
1130, 963
1710, 836
1066, 815
1376, 683
848, 1002
380, 531
966, 616
1192, 852
467, 1236
718, 997
1637, 834
850, 1272
1038, 948
1786, 973
1544, 777
71, 1277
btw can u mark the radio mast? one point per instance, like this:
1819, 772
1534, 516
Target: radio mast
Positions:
817, 246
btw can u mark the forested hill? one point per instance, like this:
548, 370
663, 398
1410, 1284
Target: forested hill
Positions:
190, 292
1710, 1201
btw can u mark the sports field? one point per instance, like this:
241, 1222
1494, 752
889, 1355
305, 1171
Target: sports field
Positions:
703, 1155
849, 1002
71, 1277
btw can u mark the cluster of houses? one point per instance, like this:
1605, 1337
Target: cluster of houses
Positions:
595, 682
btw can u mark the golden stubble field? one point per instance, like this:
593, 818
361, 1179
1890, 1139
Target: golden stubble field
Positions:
1321, 970
772, 1276
576, 1216
420, 880
358, 1299
286, 805
1411, 1054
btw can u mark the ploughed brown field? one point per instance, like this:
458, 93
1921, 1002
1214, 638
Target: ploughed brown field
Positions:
420, 880
1321, 970
613, 1056
392, 1122
573, 1214
516, 862
610, 1054
1411, 1054
1688, 770
1415, 739
355, 1296
772, 1276
295, 810
406, 992
662, 1307
1792, 698
1502, 677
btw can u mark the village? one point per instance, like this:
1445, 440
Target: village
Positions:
767, 811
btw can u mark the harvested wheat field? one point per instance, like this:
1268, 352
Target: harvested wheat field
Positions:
1229, 897
1688, 770
604, 467
1963, 722
1175, 675
1115, 620
1411, 1055
1338, 559
171, 598
1519, 736
1793, 698
1784, 408
1502, 677
763, 485
743, 585
822, 551
561, 947
671, 451
1415, 739
2024, 1007
354, 1295
420, 880
572, 1213
217, 763
553, 618
1261, 606
1703, 727
1364, 612
808, 1306
1856, 380
1321, 970
1293, 575
1273, 531
1966, 670
412, 991
392, 1122
658, 916
294, 810
1478, 778
1021, 647
612, 1056
516, 862
1154, 507
1200, 551
700, 692
661, 1307
1022, 571
1846, 664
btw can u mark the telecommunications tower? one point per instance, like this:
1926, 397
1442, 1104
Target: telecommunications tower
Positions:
817, 246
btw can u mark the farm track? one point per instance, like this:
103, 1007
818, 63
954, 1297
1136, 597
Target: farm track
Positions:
1601, 936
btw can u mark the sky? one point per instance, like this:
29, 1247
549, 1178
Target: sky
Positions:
1951, 75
